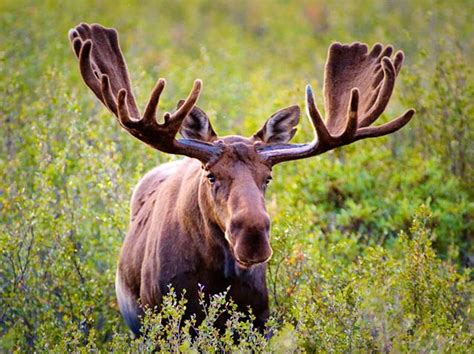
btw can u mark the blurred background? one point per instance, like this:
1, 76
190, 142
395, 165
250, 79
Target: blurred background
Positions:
375, 238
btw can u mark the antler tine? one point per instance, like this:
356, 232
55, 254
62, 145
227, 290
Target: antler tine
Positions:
123, 112
85, 66
387, 128
313, 114
105, 72
107, 94
76, 45
150, 110
398, 61
176, 119
352, 116
384, 94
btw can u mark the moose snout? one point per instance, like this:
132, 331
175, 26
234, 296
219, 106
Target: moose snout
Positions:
250, 239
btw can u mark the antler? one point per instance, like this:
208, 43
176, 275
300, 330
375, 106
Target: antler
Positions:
358, 85
104, 70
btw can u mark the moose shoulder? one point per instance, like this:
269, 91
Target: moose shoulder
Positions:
202, 221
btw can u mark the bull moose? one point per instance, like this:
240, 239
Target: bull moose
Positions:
202, 219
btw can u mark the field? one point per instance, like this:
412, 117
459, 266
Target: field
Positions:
373, 242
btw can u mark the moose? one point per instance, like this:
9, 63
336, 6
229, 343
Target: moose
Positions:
201, 222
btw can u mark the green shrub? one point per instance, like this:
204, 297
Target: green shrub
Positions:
351, 271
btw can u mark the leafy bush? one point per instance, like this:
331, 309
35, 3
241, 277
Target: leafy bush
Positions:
353, 270
401, 299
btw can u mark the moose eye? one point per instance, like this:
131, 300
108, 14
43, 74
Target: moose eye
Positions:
268, 180
211, 178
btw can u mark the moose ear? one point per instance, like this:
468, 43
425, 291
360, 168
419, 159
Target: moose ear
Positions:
280, 127
196, 125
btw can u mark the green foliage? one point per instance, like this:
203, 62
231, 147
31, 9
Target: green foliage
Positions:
402, 299
353, 269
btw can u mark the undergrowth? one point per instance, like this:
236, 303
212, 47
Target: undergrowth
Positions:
372, 243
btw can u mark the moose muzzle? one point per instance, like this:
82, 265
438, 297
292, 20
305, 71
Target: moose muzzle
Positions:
249, 237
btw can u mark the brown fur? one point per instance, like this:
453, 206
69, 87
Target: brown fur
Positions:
201, 221
186, 231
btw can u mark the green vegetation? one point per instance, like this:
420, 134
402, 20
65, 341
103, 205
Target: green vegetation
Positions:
373, 242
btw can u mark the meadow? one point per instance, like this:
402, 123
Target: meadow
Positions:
373, 242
